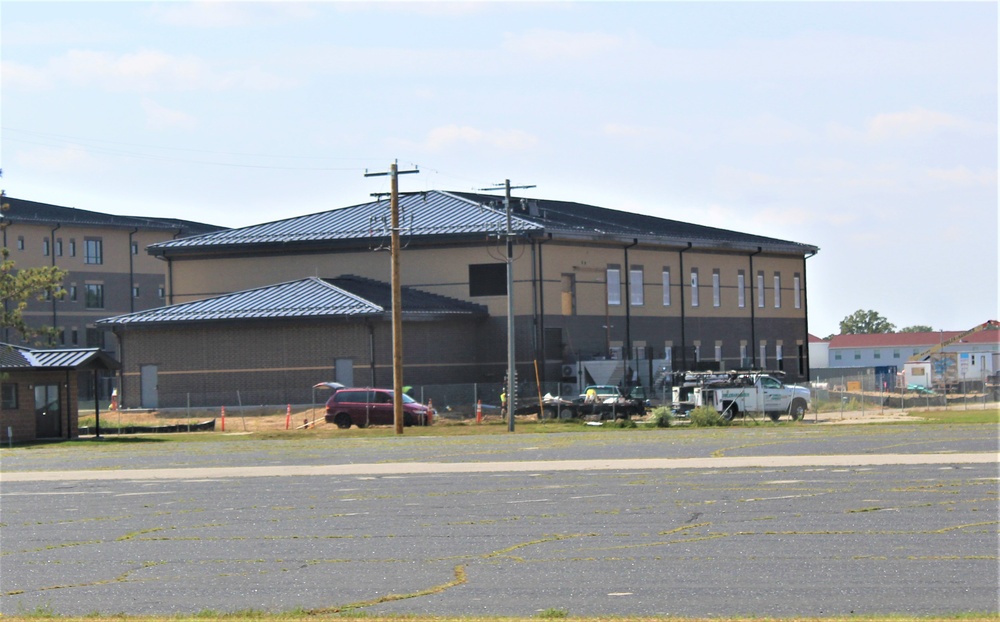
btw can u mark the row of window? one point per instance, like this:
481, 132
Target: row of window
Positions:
93, 294
697, 355
839, 355
93, 248
637, 292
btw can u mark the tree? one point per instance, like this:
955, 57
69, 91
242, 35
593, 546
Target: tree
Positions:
863, 322
918, 328
17, 287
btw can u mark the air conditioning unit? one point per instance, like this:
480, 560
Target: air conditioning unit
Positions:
568, 388
569, 371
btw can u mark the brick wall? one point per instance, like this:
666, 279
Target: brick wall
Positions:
21, 421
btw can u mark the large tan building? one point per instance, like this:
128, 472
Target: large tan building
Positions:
590, 283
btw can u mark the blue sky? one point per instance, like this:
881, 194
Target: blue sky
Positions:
867, 129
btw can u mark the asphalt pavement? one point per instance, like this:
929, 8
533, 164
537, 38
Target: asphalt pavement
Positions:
762, 521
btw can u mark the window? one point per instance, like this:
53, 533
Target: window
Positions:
743, 356
160, 292
760, 289
837, 356
74, 334
797, 285
694, 287
614, 280
94, 295
857, 355
878, 354
20, 242
718, 352
763, 355
666, 287
697, 353
777, 290
45, 247
779, 356
716, 289
135, 248
9, 392
135, 291
93, 251
72, 292
668, 354
635, 287
487, 279
741, 289
895, 353
95, 338
59, 247
72, 247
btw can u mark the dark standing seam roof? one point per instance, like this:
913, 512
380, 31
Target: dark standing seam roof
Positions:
438, 215
343, 297
32, 212
54, 358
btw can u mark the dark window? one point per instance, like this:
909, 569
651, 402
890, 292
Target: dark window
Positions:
95, 338
72, 247
93, 251
488, 279
72, 292
76, 338
9, 396
94, 295
135, 248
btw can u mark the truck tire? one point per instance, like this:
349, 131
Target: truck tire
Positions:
774, 416
550, 412
798, 409
730, 411
342, 420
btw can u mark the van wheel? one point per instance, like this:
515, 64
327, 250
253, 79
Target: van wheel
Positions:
408, 420
343, 421
798, 409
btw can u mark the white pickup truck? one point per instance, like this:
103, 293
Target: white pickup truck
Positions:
737, 393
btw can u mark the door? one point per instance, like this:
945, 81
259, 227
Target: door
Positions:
48, 411
149, 386
344, 369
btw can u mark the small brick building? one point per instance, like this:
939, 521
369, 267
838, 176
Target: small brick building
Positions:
40, 389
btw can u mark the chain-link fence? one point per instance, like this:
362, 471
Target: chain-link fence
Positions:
869, 391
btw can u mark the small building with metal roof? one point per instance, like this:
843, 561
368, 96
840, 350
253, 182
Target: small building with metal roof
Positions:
40, 390
272, 344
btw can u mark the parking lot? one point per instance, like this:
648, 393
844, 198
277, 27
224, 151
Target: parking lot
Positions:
769, 521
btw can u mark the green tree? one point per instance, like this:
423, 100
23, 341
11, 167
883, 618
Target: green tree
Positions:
863, 322
918, 328
18, 287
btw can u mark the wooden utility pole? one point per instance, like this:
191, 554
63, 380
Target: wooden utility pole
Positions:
397, 298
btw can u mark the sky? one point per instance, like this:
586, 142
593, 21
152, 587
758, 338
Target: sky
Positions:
868, 129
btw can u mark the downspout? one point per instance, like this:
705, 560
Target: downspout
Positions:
371, 350
753, 310
628, 310
680, 279
805, 311
121, 369
52, 254
538, 292
131, 272
4, 223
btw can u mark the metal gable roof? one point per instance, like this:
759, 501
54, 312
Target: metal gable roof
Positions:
421, 214
33, 212
439, 214
343, 297
54, 358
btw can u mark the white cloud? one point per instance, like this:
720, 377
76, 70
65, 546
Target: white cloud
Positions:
229, 14
559, 45
912, 123
160, 117
18, 76
66, 159
441, 138
962, 176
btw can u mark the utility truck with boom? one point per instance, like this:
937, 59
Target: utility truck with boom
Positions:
736, 393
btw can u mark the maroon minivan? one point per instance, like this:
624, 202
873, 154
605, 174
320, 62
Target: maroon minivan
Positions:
365, 407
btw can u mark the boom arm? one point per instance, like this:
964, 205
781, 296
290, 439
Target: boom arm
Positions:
923, 356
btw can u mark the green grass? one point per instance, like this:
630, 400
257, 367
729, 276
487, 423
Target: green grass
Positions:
989, 415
